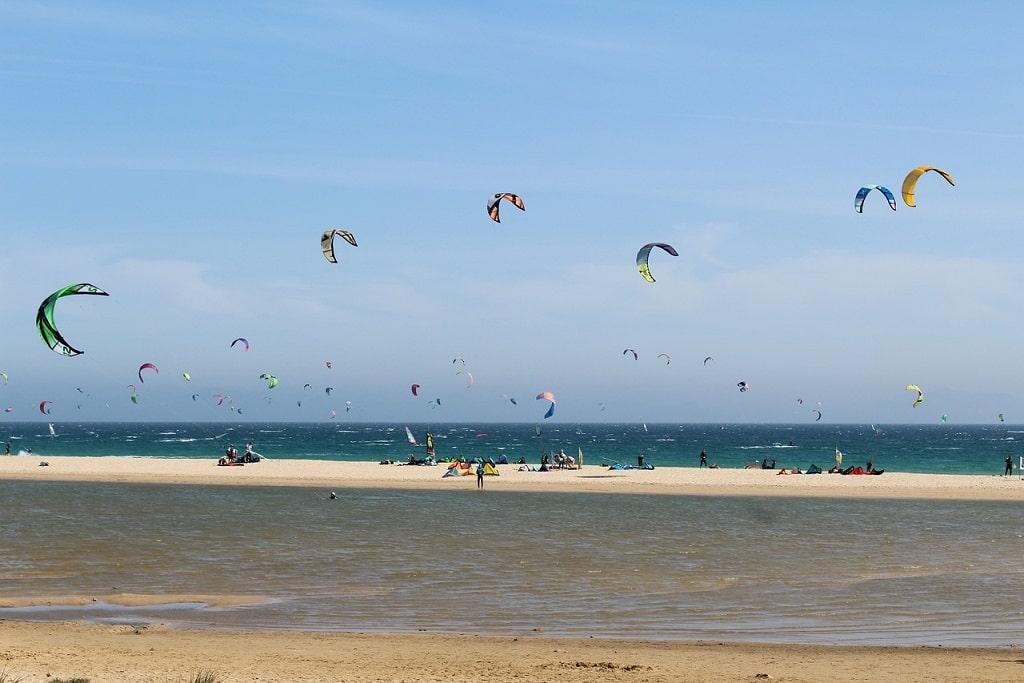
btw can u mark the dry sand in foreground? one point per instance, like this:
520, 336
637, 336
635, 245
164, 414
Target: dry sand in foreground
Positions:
338, 475
121, 653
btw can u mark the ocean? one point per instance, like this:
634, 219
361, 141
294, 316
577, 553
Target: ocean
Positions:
979, 449
772, 569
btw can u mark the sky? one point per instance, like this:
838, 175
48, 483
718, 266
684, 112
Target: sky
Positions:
186, 157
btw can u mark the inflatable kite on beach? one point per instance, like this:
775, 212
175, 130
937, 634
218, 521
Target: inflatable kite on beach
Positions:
493, 208
547, 396
327, 242
920, 394
862, 193
147, 366
44, 317
644, 255
245, 343
269, 379
910, 182
626, 352
44, 407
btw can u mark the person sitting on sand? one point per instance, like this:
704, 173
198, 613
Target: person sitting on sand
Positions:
714, 466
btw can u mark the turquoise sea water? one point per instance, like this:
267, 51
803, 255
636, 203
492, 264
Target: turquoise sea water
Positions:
904, 448
494, 562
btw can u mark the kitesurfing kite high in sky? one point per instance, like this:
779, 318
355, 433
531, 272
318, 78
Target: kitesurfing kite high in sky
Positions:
493, 208
668, 359
243, 340
327, 242
920, 394
626, 352
644, 255
147, 366
862, 193
910, 182
547, 396
415, 389
269, 379
743, 387
44, 317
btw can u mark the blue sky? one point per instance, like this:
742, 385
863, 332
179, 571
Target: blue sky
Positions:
185, 157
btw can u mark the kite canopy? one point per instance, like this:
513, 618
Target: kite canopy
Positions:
493, 208
147, 366
327, 242
817, 419
470, 380
920, 394
910, 182
44, 317
4, 376
270, 380
644, 254
708, 359
743, 387
668, 358
547, 396
328, 390
415, 389
626, 352
44, 407
858, 201
245, 343
187, 376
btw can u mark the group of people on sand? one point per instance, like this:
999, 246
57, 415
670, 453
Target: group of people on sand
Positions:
231, 456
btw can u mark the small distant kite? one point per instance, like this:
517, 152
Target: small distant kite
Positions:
187, 376
415, 388
470, 380
3, 375
743, 387
328, 390
219, 398
920, 394
269, 379
708, 359
626, 352
1001, 418
668, 359
147, 366
800, 401
9, 409
817, 419
944, 419
493, 208
328, 364
44, 407
333, 413
547, 396
195, 397
243, 340
862, 193
644, 255
348, 406
44, 317
327, 242
458, 360
910, 182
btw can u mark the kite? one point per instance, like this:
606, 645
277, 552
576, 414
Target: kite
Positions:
1001, 418
492, 204
910, 182
44, 407
4, 376
708, 359
270, 379
800, 401
415, 389
44, 317
348, 406
742, 387
437, 401
147, 366
470, 380
668, 359
628, 351
328, 390
944, 419
644, 254
244, 341
458, 360
219, 398
329, 364
817, 419
547, 396
920, 394
510, 399
195, 397
333, 413
327, 242
187, 376
134, 397
307, 386
862, 193
9, 409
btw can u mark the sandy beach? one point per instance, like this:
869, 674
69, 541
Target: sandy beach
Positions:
592, 478
34, 652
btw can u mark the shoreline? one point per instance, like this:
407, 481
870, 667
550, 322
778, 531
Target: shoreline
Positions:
39, 651
331, 474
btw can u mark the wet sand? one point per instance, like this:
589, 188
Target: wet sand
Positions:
592, 478
35, 652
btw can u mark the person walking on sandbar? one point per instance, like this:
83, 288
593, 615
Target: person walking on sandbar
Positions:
703, 458
1009, 466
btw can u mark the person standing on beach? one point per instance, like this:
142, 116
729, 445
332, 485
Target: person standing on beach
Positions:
7, 448
1009, 466
839, 459
703, 457
480, 475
